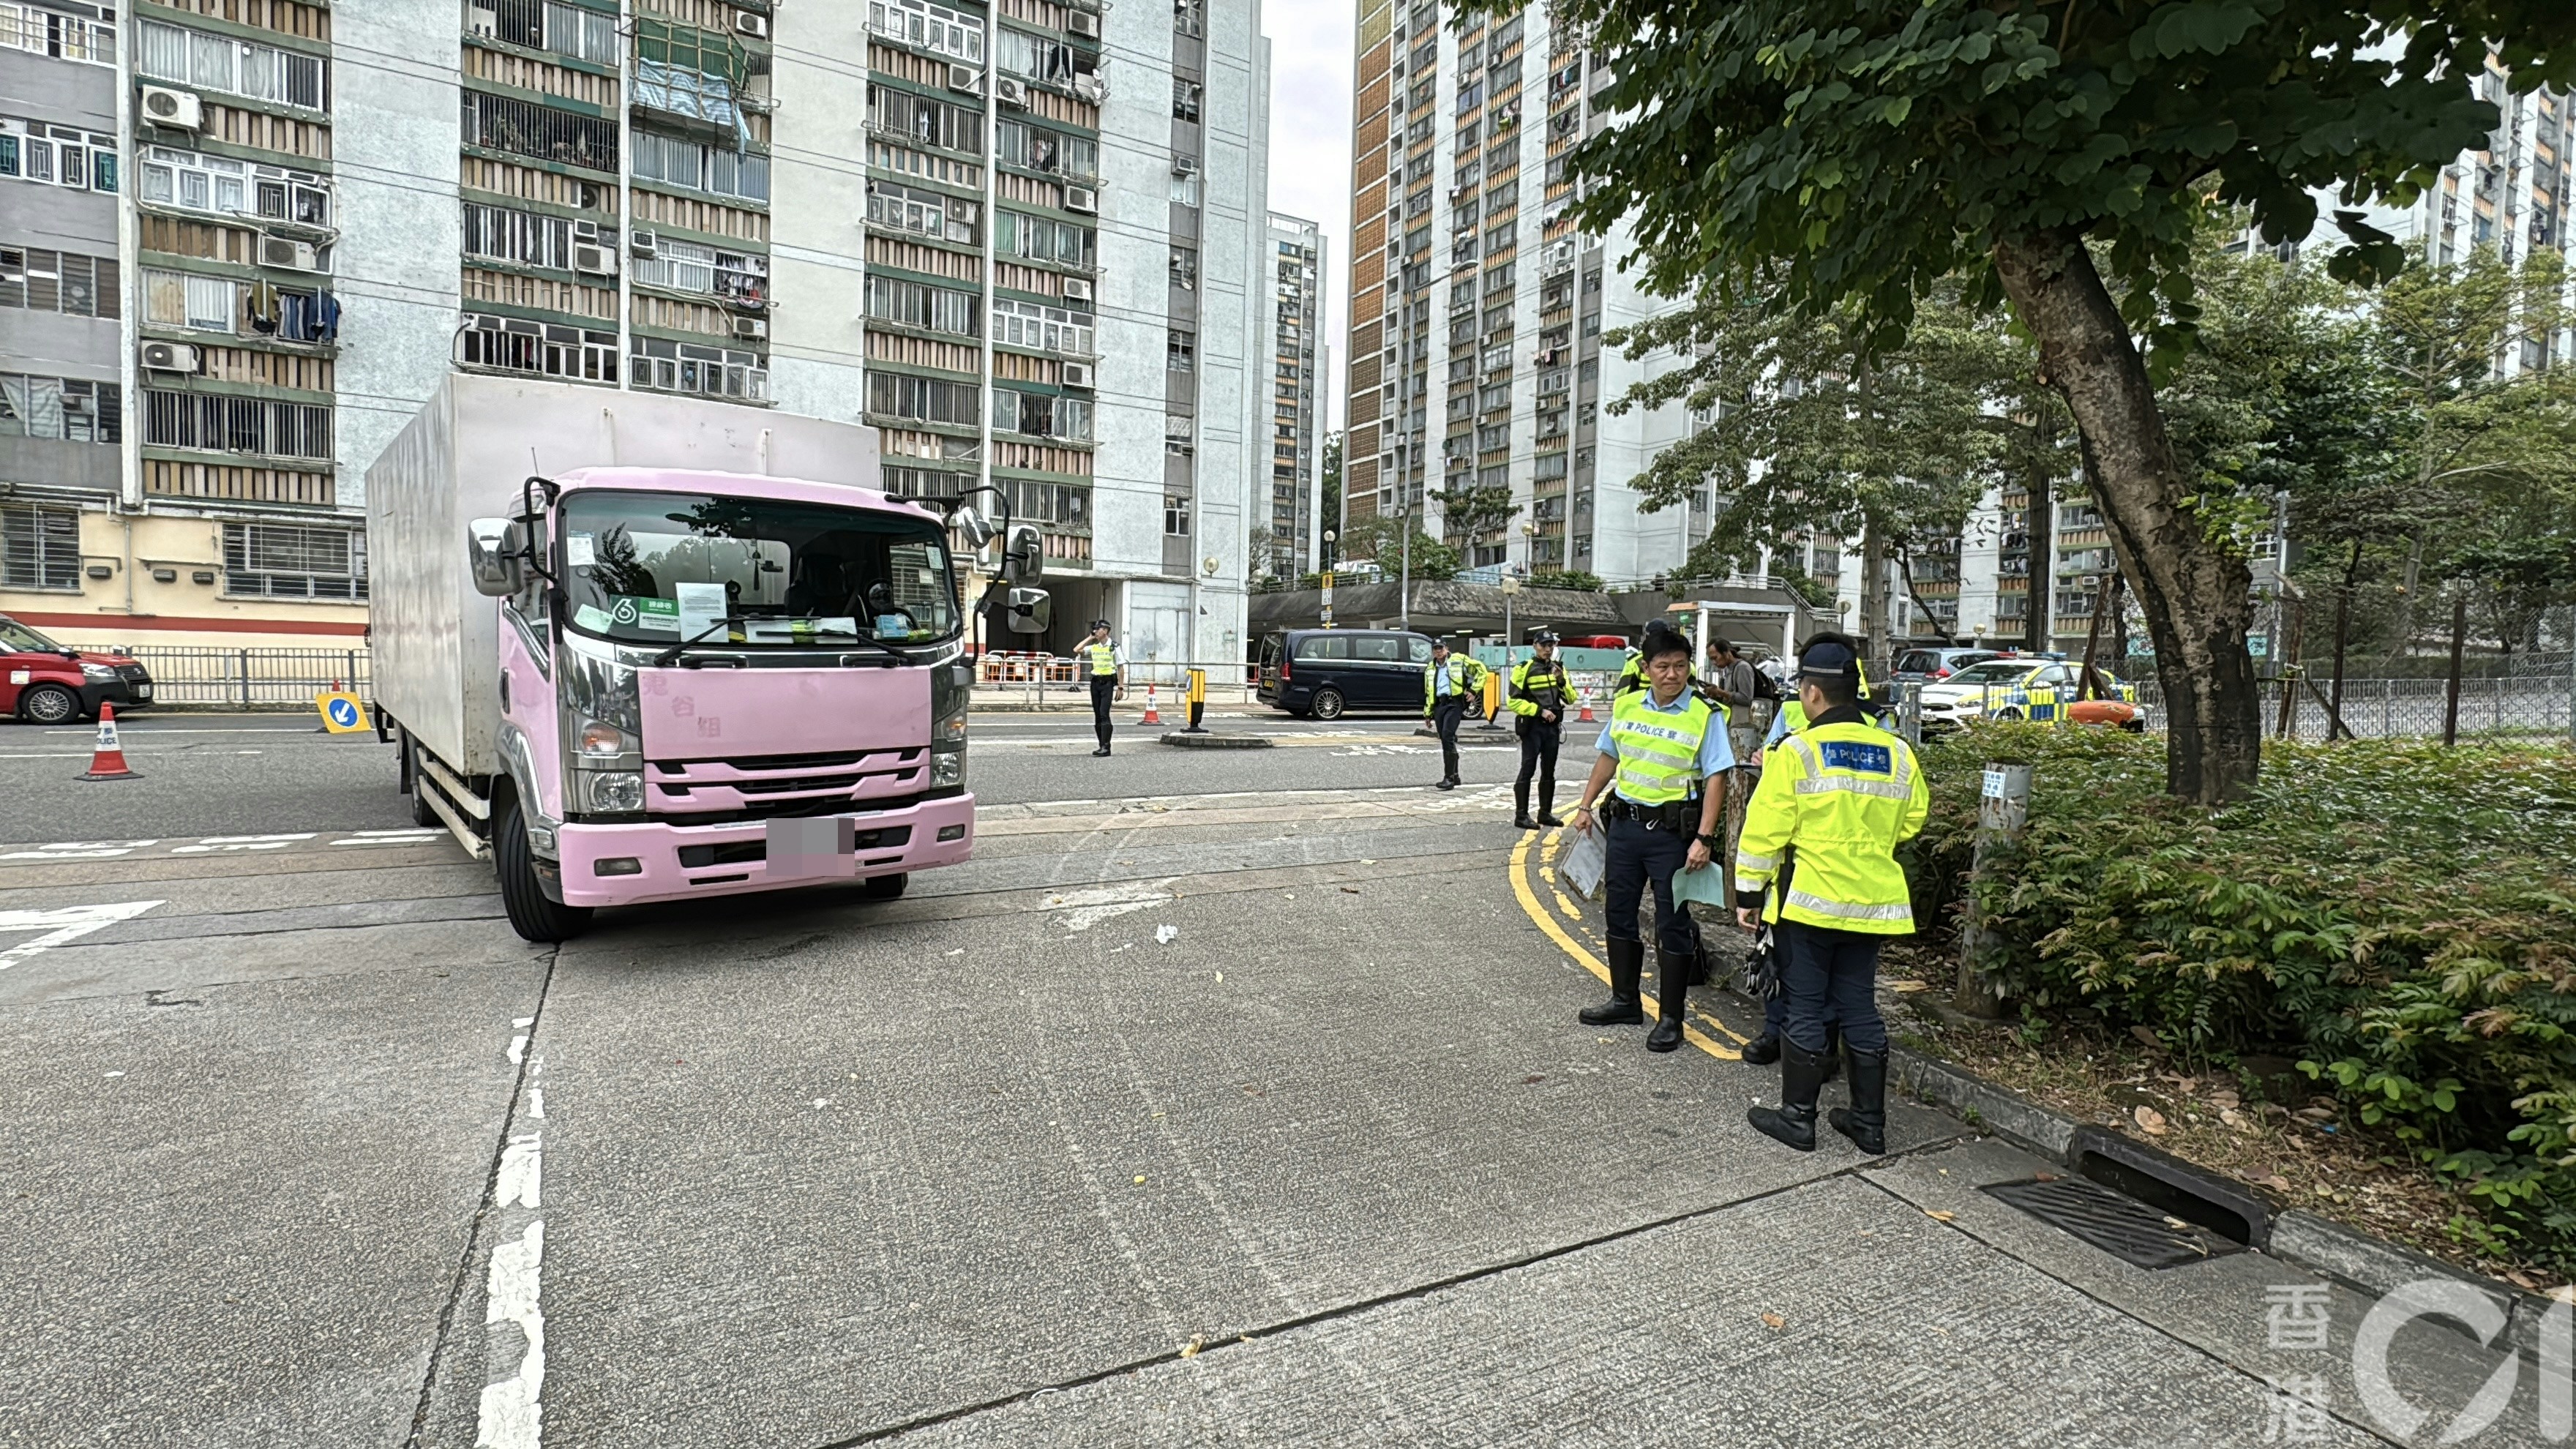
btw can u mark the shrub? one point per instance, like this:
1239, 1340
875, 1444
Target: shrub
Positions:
2399, 917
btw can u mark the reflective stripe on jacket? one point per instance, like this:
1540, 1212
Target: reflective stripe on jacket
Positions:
1551, 690
1658, 749
1844, 795
1104, 658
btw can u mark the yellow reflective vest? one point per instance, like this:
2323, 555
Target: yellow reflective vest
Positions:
1659, 749
1467, 677
1844, 795
1103, 658
1538, 685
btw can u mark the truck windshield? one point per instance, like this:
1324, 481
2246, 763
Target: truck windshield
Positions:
659, 568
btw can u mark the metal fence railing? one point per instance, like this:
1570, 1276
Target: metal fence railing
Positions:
245, 678
2401, 708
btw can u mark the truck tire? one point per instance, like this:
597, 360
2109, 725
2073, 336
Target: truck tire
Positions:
884, 887
533, 916
421, 814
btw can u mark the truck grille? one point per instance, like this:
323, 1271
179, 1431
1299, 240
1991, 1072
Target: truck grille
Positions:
786, 785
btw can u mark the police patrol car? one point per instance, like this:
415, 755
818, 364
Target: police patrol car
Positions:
2041, 690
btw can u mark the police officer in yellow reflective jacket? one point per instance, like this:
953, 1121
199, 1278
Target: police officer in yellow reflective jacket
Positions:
1105, 667
1663, 747
1842, 793
1541, 692
1452, 685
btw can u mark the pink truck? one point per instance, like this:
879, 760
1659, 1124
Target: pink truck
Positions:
640, 648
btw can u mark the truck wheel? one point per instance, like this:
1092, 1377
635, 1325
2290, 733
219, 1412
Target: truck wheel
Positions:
883, 887
533, 916
48, 704
1328, 704
421, 814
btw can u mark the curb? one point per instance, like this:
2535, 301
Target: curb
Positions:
2366, 1265
1179, 740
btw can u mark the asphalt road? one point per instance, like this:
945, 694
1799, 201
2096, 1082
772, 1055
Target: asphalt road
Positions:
1228, 1114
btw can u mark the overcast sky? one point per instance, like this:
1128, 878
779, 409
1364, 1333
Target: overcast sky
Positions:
1310, 144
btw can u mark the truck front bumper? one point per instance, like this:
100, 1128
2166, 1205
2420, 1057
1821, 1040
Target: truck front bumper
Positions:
675, 861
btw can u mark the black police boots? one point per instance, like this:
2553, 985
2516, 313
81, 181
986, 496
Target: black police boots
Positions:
1763, 1050
1865, 1120
1520, 807
1547, 805
1672, 988
1627, 963
1793, 1122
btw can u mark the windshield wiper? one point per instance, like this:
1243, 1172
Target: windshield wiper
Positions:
668, 657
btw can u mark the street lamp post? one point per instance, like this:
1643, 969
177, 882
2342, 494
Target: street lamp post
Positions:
1329, 538
1510, 586
1404, 580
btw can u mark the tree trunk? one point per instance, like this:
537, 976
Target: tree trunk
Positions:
1873, 599
2198, 598
2040, 525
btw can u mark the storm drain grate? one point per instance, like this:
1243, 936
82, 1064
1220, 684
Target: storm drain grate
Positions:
2119, 1225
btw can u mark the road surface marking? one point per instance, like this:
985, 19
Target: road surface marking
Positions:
511, 1411
1546, 921
66, 923
1084, 909
213, 843
79, 850
389, 837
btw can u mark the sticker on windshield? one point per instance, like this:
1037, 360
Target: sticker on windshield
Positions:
580, 551
893, 626
701, 608
799, 631
625, 611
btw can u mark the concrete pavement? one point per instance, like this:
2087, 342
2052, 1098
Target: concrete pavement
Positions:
310, 1149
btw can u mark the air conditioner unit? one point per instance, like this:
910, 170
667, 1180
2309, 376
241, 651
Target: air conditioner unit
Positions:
1076, 290
1185, 166
597, 260
750, 327
641, 244
1011, 91
1086, 26
169, 357
1078, 374
175, 109
1082, 199
966, 78
755, 26
1089, 88
288, 254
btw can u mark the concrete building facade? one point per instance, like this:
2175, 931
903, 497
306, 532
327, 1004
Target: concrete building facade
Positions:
1292, 339
936, 218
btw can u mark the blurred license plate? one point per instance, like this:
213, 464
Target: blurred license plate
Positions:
803, 848
143, 691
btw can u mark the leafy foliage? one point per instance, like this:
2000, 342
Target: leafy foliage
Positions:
2400, 916
1574, 579
1382, 538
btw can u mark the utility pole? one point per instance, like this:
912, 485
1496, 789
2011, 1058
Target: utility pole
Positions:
1404, 580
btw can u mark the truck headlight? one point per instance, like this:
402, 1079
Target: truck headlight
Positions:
596, 739
618, 792
947, 767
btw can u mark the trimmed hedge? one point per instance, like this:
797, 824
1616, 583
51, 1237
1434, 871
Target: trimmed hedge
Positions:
2398, 917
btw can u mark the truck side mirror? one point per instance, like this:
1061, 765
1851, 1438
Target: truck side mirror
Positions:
1029, 611
972, 525
1023, 554
492, 547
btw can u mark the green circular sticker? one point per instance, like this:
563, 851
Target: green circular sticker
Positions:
624, 612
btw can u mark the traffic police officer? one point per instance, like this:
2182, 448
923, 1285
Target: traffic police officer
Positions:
1541, 691
1664, 745
1843, 793
1450, 686
1106, 665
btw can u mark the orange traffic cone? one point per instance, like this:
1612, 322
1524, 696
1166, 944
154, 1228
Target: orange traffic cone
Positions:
107, 760
1151, 716
1585, 694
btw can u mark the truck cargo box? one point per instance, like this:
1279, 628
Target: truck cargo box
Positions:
466, 455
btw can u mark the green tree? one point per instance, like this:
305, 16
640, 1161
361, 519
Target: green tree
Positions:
1469, 511
2063, 156
1803, 431
1382, 538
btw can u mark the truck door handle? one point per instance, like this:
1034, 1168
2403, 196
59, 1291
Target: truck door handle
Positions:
505, 689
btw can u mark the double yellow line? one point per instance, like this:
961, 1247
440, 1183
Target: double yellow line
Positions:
1525, 878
